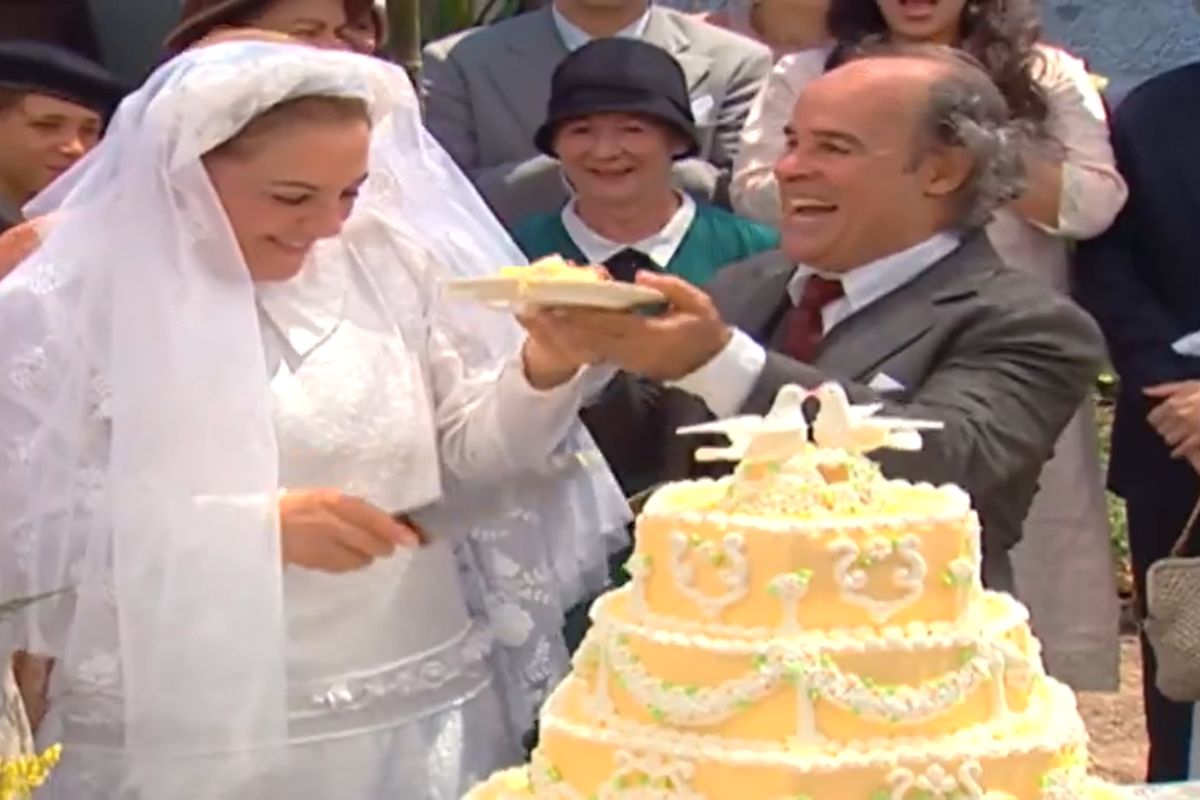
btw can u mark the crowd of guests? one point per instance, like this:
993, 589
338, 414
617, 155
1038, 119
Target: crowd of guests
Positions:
926, 202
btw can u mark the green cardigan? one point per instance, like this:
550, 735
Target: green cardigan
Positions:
715, 239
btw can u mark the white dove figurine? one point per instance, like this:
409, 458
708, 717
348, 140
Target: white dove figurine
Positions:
778, 436
840, 424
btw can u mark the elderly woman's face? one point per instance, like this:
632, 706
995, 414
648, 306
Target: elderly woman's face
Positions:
290, 188
317, 22
615, 158
935, 21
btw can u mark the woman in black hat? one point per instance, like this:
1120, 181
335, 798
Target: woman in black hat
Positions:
53, 104
618, 117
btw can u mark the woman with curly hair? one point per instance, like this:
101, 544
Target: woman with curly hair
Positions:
1073, 191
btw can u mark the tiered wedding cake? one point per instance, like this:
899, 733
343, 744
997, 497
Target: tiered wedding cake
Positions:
806, 630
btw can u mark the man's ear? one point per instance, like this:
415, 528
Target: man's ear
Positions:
943, 171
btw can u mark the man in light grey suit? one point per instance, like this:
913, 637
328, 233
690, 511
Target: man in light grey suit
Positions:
895, 163
486, 92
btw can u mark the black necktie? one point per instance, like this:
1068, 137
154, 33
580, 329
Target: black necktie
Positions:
624, 266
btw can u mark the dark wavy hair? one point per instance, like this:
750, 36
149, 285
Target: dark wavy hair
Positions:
1000, 34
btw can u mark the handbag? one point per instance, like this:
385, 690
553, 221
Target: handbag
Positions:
1172, 623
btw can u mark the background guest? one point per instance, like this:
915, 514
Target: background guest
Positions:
886, 284
618, 118
323, 23
1072, 191
53, 106
1141, 279
330, 24
786, 26
486, 92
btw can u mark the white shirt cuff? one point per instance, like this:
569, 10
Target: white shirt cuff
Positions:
726, 380
1189, 345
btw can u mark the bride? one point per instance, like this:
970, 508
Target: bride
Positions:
319, 525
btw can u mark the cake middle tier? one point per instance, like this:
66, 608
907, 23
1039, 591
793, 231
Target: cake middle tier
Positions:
809, 689
784, 574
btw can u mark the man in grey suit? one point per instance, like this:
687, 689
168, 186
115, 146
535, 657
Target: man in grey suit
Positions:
894, 165
486, 92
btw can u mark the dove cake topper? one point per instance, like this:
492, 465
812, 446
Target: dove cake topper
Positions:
785, 433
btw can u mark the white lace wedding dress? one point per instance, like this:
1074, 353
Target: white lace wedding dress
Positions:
393, 684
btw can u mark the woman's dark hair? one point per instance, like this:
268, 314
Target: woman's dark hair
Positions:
1000, 34
198, 18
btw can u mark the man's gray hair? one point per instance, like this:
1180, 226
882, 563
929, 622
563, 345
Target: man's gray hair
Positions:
967, 110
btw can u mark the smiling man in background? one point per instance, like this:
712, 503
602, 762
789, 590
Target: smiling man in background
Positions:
53, 106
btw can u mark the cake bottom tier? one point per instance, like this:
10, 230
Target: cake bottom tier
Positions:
517, 784
1041, 756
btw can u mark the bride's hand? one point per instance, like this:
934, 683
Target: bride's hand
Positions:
326, 530
552, 354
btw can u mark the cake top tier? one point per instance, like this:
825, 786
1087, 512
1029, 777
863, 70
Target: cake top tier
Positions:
815, 486
784, 433
788, 468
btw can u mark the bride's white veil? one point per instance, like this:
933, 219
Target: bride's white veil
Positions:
138, 464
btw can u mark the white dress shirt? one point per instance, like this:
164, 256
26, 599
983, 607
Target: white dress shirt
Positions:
660, 246
726, 380
574, 37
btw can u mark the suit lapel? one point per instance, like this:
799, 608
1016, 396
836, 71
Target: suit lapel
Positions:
534, 51
661, 30
857, 346
753, 302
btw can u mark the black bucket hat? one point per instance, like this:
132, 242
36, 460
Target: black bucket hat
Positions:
41, 68
619, 75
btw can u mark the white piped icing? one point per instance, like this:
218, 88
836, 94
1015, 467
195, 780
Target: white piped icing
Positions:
954, 504
729, 639
811, 673
638, 568
939, 783
728, 560
853, 567
639, 776
1061, 729
790, 588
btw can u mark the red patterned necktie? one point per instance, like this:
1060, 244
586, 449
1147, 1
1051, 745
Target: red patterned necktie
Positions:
804, 326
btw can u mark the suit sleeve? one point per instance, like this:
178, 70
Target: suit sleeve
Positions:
1108, 282
513, 189
745, 82
1004, 392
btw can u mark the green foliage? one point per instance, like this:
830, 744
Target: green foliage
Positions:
446, 16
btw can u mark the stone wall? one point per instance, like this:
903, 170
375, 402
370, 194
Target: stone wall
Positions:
1126, 41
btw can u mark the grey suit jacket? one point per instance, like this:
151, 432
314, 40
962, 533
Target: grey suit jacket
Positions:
994, 353
486, 92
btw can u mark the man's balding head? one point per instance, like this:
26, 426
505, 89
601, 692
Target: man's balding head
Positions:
890, 148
